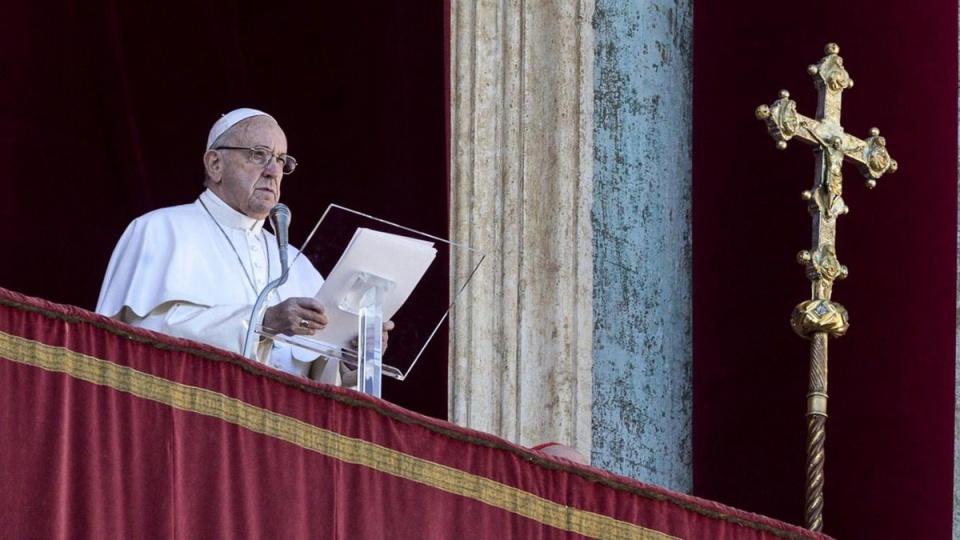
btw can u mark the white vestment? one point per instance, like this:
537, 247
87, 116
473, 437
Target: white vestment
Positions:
195, 274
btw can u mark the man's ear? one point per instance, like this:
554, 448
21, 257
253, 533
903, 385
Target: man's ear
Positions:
213, 164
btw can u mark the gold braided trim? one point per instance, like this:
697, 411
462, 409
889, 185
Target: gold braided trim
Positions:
322, 441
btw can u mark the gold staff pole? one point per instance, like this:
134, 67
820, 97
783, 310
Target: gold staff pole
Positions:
819, 318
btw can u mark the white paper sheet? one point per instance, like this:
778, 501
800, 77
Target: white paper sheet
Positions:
400, 259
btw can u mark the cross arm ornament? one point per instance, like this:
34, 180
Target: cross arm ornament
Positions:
784, 123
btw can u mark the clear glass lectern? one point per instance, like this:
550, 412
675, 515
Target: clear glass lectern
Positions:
375, 270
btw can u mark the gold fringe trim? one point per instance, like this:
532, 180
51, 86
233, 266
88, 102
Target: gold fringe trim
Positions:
328, 443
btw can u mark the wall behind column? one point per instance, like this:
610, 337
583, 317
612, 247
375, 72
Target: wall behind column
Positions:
642, 387
889, 443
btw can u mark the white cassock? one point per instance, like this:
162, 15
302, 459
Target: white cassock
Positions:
195, 273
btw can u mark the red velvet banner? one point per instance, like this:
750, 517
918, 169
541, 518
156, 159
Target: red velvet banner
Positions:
108, 431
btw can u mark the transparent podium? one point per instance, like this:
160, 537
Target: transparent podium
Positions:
375, 271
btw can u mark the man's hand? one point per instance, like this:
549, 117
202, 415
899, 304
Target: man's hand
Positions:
296, 317
387, 327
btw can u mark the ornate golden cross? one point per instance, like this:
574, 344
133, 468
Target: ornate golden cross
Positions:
819, 317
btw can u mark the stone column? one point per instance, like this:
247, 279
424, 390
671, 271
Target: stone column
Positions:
643, 360
521, 190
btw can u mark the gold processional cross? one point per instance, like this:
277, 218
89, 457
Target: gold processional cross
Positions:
819, 318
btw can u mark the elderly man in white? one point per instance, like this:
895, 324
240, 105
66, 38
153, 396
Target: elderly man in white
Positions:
194, 271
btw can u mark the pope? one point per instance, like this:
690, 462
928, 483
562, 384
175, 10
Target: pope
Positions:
194, 271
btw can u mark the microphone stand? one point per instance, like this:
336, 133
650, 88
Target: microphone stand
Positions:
280, 219
258, 310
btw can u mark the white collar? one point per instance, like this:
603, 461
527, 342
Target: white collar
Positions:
228, 217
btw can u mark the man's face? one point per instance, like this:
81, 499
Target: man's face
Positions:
247, 187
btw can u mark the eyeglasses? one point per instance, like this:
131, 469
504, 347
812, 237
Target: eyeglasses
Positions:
262, 156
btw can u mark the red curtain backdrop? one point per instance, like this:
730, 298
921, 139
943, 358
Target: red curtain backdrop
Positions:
105, 108
890, 432
112, 432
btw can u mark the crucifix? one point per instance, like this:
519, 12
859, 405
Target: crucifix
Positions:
819, 318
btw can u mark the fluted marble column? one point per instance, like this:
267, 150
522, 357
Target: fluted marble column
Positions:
521, 190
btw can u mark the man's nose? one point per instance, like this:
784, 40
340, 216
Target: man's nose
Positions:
273, 168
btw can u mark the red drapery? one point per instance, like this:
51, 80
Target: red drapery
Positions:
107, 431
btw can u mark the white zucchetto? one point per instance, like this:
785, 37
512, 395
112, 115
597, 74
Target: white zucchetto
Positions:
229, 120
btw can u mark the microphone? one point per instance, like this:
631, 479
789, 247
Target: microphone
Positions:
280, 220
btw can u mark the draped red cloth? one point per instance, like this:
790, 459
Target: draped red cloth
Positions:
108, 431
